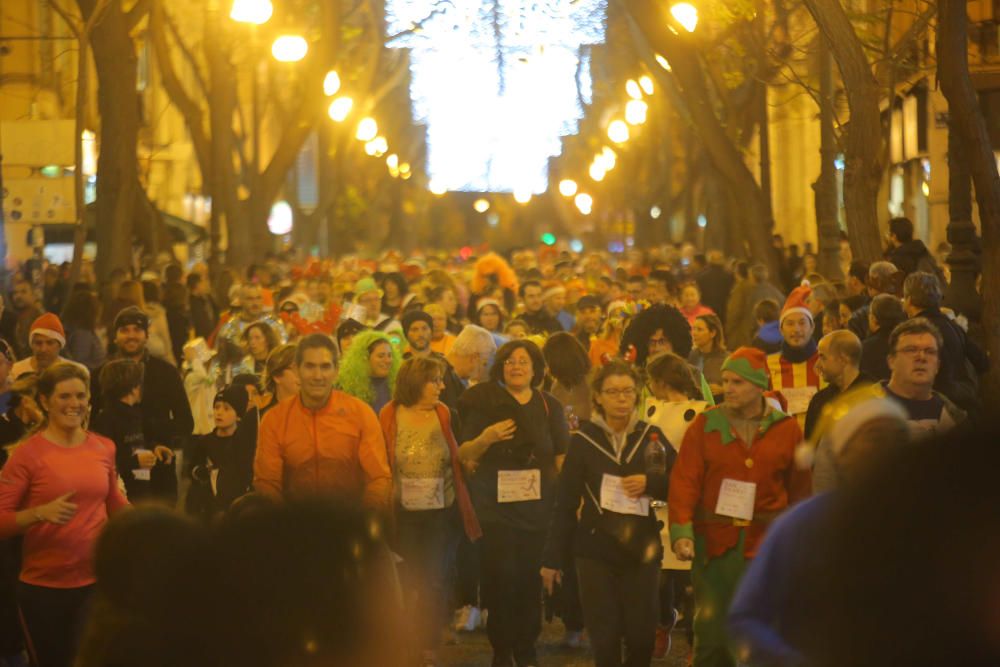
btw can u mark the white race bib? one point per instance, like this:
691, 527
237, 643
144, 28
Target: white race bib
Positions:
518, 486
422, 493
142, 474
736, 499
798, 399
614, 498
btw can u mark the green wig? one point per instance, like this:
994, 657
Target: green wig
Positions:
355, 369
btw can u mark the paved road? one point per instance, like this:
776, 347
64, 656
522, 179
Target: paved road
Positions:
473, 650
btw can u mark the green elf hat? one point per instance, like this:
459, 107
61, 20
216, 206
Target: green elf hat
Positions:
750, 364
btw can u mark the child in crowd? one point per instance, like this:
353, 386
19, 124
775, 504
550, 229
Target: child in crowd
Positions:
120, 420
220, 463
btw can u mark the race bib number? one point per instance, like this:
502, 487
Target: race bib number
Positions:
518, 486
798, 399
425, 493
142, 474
615, 499
736, 499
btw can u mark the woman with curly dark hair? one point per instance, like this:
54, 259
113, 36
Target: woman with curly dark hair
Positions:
653, 331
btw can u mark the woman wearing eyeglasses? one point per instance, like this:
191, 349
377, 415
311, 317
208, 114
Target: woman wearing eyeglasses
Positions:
514, 438
432, 501
615, 543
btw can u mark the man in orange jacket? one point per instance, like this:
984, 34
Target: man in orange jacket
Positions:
322, 442
734, 474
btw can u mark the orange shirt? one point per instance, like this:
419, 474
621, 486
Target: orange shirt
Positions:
444, 345
336, 451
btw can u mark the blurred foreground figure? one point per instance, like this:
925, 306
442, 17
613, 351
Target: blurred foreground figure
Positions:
836, 582
271, 586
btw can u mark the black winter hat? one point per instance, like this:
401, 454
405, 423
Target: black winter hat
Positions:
235, 396
132, 315
412, 316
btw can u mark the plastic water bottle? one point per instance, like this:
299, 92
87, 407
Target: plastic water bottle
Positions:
655, 459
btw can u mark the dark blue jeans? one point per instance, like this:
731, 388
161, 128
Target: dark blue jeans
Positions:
427, 541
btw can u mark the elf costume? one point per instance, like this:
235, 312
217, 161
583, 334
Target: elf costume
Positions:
793, 369
714, 451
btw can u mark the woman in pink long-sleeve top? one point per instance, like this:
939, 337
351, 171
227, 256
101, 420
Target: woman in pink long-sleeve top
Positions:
58, 489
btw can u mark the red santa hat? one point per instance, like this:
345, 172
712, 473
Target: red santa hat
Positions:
796, 303
50, 326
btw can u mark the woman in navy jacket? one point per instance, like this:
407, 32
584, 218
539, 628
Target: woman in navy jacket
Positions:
616, 541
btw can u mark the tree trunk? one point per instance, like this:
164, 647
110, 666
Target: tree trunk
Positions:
967, 116
963, 261
756, 222
221, 176
118, 190
862, 169
825, 187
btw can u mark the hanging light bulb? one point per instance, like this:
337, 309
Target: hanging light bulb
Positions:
340, 109
331, 83
686, 14
633, 89
257, 12
663, 62
481, 206
289, 48
367, 129
635, 112
522, 196
618, 131
437, 188
567, 187
597, 171
584, 203
646, 83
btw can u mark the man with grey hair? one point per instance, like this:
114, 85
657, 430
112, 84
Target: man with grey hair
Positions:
472, 354
922, 295
251, 310
883, 278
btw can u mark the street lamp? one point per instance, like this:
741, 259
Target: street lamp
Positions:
606, 158
646, 83
367, 129
522, 196
633, 89
567, 187
257, 12
584, 203
663, 62
618, 131
597, 170
331, 83
437, 188
686, 14
340, 108
289, 48
481, 206
635, 112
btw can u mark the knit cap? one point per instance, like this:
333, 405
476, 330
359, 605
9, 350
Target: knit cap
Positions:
50, 326
796, 303
235, 395
132, 315
411, 317
750, 364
